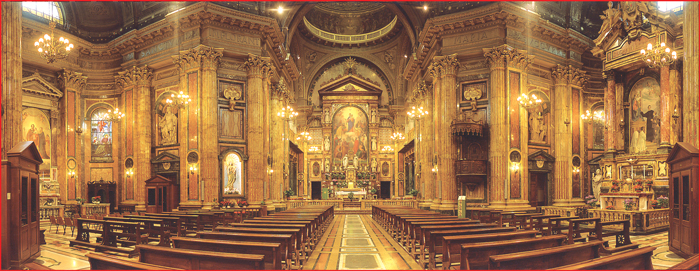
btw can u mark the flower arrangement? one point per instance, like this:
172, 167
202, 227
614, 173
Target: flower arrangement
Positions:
80, 200
609, 207
649, 182
242, 203
663, 201
225, 203
342, 184
615, 186
638, 181
373, 191
96, 199
629, 204
591, 200
654, 204
638, 187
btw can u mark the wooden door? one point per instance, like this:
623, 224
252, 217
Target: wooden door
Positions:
686, 213
34, 214
674, 235
24, 216
316, 190
533, 189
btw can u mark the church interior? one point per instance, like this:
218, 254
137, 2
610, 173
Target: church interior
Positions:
349, 135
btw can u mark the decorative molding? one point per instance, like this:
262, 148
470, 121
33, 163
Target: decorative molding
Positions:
506, 55
134, 76
72, 80
44, 87
569, 75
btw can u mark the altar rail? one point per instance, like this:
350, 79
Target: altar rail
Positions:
50, 210
94, 209
640, 221
364, 204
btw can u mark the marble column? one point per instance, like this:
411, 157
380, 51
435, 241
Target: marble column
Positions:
564, 78
423, 96
666, 111
611, 126
431, 121
256, 68
690, 73
279, 94
209, 131
444, 141
139, 79
189, 71
69, 156
498, 126
12, 78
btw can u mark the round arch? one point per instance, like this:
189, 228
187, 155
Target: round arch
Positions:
331, 61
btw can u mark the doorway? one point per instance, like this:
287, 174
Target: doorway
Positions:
538, 189
385, 190
315, 190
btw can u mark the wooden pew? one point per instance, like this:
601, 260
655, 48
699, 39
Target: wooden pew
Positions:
103, 262
297, 246
451, 245
416, 231
420, 247
192, 223
540, 222
174, 225
637, 259
199, 260
440, 243
153, 227
271, 251
284, 239
689, 264
112, 234
475, 256
84, 230
554, 226
547, 258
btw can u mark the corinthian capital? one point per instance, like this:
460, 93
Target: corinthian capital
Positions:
72, 80
280, 91
200, 56
500, 56
569, 75
257, 65
134, 76
210, 57
435, 69
449, 64
421, 91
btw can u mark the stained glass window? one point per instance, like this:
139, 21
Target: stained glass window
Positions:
101, 134
46, 10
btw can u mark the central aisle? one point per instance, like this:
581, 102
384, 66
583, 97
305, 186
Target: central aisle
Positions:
357, 242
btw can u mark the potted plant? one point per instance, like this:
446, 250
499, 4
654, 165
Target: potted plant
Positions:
615, 186
638, 188
80, 200
663, 201
654, 204
96, 199
373, 191
629, 204
288, 193
242, 203
591, 201
413, 192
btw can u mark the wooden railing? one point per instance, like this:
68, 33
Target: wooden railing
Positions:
640, 221
364, 204
48, 211
561, 211
94, 209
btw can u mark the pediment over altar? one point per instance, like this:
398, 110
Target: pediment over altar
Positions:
350, 86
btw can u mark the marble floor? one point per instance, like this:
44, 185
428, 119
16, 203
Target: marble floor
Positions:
352, 242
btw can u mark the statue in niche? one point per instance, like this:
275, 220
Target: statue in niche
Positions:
374, 143
327, 143
168, 127
231, 172
538, 129
326, 116
345, 161
355, 162
374, 116
597, 181
374, 164
328, 166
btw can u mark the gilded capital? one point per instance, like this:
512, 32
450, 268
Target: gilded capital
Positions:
257, 65
609, 75
72, 80
200, 56
210, 57
280, 91
500, 56
134, 76
449, 64
568, 75
434, 70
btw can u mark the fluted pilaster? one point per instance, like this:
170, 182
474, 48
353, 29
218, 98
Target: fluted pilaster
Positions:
72, 84
690, 73
611, 127
444, 141
279, 97
435, 71
210, 59
423, 96
12, 77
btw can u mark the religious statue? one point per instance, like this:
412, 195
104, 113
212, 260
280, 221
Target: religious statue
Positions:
231, 173
168, 127
537, 127
650, 131
374, 143
355, 161
345, 161
326, 116
327, 143
597, 181
374, 164
612, 15
374, 116
328, 166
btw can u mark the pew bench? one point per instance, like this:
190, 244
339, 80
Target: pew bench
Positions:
547, 258
452, 244
443, 244
637, 259
284, 239
103, 262
271, 251
476, 256
199, 260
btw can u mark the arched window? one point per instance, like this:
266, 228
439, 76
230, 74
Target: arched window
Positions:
101, 135
46, 10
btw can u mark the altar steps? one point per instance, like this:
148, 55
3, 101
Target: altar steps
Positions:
352, 211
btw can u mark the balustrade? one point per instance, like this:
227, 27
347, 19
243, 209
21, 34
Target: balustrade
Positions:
50, 210
640, 221
364, 204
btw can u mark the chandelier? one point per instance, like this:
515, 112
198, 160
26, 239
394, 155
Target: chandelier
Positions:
597, 116
109, 115
287, 113
304, 136
181, 100
529, 102
397, 136
659, 56
417, 112
387, 148
52, 49
314, 149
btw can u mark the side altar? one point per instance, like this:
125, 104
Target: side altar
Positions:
617, 200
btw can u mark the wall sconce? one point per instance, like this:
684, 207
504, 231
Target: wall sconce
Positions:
567, 122
79, 130
514, 166
71, 173
622, 124
129, 172
193, 169
270, 171
576, 170
675, 115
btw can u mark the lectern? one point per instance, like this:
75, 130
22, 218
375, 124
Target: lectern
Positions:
20, 185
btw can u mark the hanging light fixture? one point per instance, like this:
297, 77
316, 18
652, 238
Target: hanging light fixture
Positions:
116, 115
529, 102
659, 56
287, 113
304, 136
179, 100
417, 112
50, 48
597, 116
397, 136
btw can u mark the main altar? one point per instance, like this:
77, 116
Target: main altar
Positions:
617, 200
350, 174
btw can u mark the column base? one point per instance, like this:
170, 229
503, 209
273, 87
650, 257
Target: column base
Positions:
664, 148
568, 202
518, 204
425, 204
448, 207
497, 204
140, 207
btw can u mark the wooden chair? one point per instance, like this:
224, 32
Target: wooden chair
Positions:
52, 221
60, 222
69, 222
